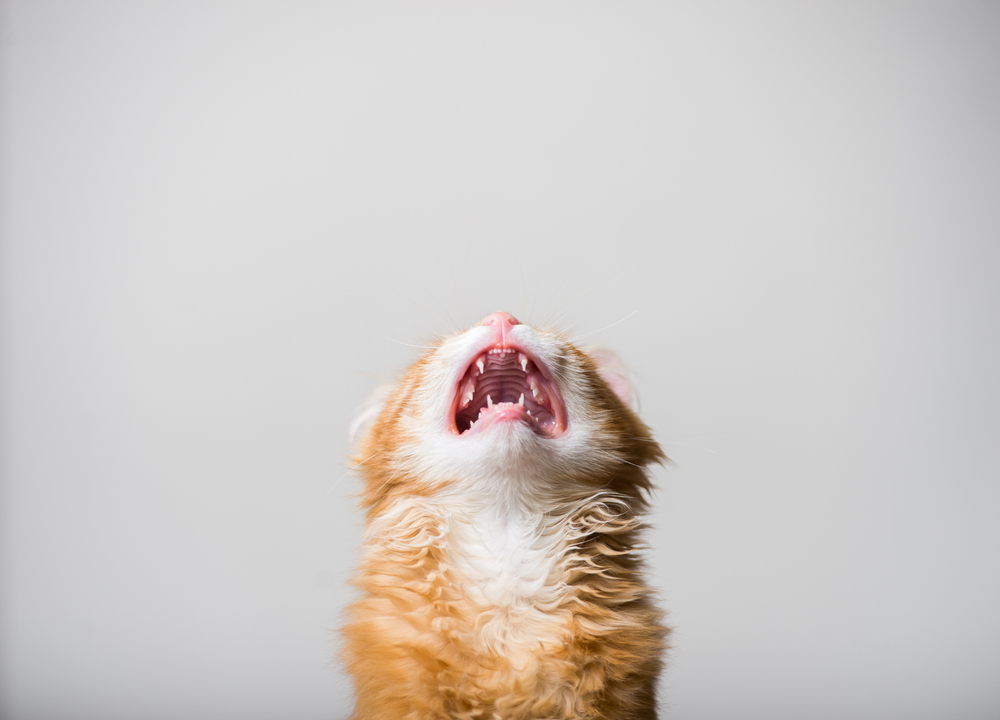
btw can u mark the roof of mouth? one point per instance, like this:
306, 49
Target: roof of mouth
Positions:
504, 375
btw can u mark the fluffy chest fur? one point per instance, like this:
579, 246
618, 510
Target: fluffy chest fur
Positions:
505, 576
500, 577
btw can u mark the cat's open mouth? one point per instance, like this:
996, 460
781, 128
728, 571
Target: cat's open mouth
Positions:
504, 385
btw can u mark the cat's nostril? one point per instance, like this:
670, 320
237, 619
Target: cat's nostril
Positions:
501, 317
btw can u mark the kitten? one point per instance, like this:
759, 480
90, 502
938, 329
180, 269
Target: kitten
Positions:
500, 579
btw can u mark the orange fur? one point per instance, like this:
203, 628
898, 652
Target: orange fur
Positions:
426, 641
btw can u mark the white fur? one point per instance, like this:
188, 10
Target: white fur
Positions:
440, 455
513, 565
508, 532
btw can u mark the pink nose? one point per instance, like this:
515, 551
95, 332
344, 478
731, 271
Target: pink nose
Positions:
500, 317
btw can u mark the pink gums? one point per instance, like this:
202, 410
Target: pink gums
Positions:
506, 384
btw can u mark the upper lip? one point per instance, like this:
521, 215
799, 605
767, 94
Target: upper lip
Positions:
513, 375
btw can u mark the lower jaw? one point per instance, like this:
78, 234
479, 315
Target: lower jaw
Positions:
505, 417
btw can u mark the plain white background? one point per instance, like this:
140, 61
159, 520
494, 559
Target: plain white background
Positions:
221, 222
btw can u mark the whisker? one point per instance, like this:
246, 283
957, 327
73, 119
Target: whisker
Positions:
524, 285
534, 301
586, 288
454, 325
422, 347
437, 319
698, 447
386, 482
619, 459
545, 318
463, 309
349, 471
407, 297
592, 332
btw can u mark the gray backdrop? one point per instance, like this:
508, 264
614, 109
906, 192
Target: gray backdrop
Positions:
222, 224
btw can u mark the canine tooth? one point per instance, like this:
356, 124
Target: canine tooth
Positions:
529, 412
524, 362
521, 400
489, 401
479, 364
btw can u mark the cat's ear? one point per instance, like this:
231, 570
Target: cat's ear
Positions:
365, 415
613, 373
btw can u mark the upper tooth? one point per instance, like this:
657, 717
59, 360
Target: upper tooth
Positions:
479, 364
524, 362
534, 391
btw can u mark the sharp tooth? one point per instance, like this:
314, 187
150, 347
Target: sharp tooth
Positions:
529, 412
489, 401
534, 391
524, 362
479, 364
521, 400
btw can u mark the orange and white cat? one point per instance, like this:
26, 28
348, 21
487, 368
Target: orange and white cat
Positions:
500, 577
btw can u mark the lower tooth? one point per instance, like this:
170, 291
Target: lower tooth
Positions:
521, 400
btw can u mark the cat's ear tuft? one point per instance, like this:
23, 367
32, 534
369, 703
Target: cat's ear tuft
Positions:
613, 373
365, 415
